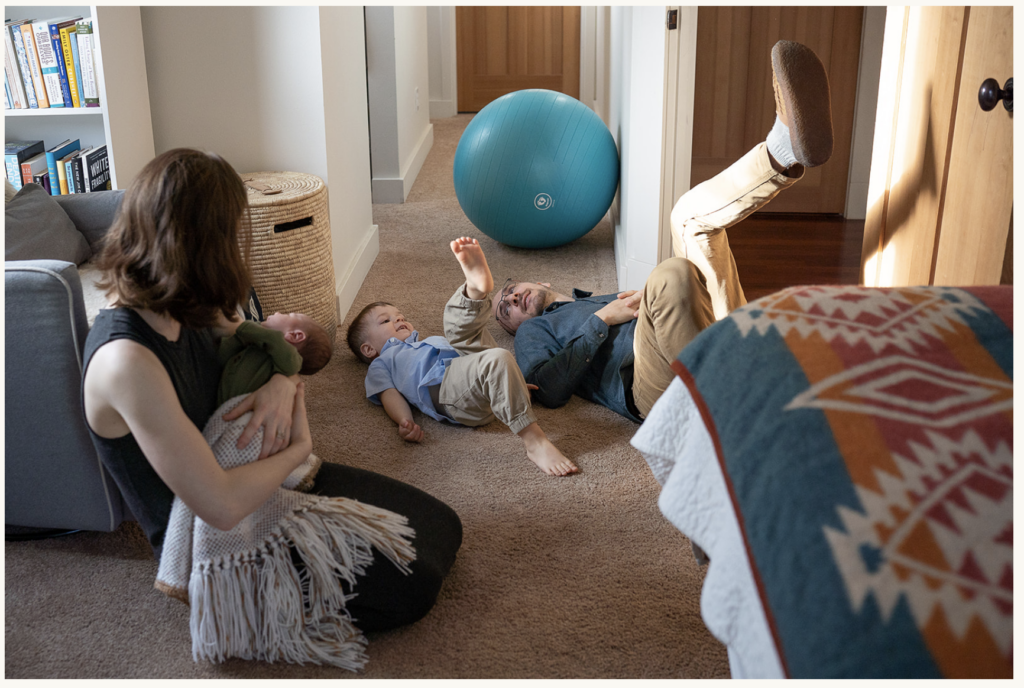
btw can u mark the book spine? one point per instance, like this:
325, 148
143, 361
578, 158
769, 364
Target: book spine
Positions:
69, 63
7, 93
62, 177
69, 175
11, 167
11, 67
58, 53
76, 169
27, 168
76, 56
51, 75
85, 50
26, 72
33, 61
99, 170
43, 180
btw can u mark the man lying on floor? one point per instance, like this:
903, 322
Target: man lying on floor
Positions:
616, 349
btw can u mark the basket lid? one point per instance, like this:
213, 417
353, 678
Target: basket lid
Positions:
272, 188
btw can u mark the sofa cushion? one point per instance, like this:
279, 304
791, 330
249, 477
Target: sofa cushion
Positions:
36, 228
92, 213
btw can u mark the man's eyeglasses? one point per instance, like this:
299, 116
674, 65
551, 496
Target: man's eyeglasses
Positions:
504, 307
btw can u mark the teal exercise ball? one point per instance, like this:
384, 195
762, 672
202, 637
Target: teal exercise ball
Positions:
536, 169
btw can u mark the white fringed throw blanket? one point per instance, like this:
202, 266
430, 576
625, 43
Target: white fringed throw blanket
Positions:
247, 598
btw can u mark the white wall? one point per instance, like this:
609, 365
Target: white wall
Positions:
636, 108
222, 79
398, 89
864, 117
442, 59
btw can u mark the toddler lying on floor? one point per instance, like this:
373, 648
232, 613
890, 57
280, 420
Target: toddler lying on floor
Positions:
464, 378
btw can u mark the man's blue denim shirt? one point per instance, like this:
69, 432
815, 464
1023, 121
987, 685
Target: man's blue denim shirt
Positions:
568, 350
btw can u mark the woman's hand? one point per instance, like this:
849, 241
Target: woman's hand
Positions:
273, 407
300, 436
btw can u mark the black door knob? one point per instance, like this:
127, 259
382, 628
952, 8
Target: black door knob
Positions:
989, 94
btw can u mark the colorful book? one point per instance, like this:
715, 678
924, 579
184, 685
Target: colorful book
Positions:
23, 66
53, 157
48, 63
55, 25
12, 70
67, 34
15, 153
7, 93
33, 166
85, 51
97, 169
29, 39
62, 173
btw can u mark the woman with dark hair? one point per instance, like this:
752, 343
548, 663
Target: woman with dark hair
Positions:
174, 273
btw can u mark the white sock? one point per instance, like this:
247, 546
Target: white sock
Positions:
780, 145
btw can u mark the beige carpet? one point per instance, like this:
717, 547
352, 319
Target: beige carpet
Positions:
577, 577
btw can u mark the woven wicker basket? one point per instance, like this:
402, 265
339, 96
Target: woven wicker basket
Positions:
292, 267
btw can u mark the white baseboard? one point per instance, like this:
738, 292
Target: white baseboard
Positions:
440, 109
396, 190
347, 286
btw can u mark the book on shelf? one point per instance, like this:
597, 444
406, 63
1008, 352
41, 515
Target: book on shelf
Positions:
15, 153
78, 168
86, 52
48, 63
8, 100
23, 66
55, 26
67, 36
42, 180
12, 70
96, 164
33, 166
53, 157
32, 53
62, 173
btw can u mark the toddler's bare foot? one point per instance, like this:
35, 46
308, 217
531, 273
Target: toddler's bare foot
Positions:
546, 455
470, 255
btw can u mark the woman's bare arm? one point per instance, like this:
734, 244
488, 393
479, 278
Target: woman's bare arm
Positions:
127, 389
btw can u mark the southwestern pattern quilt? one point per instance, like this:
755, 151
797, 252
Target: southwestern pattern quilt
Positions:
866, 437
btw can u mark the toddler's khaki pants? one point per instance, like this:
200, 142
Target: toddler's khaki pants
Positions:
484, 382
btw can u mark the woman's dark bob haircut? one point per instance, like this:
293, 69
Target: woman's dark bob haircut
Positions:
174, 245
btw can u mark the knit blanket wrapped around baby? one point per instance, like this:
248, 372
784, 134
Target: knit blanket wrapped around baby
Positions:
247, 597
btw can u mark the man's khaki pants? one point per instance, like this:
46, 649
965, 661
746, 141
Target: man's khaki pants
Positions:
676, 306
484, 382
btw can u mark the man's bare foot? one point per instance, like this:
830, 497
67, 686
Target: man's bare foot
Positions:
479, 282
546, 455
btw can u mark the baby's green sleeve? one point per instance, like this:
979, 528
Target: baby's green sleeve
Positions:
250, 358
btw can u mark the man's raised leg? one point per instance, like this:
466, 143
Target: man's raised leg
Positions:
801, 137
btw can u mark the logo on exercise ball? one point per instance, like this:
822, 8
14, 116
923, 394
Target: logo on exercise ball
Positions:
543, 201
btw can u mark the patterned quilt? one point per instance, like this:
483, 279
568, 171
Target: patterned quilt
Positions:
866, 437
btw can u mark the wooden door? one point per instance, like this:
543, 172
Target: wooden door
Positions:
734, 104
505, 49
940, 195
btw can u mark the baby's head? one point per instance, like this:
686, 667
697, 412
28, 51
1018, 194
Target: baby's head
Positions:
373, 327
306, 335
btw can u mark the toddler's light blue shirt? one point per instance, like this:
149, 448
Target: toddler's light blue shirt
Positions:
411, 367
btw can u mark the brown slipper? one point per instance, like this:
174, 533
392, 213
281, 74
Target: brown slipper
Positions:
802, 101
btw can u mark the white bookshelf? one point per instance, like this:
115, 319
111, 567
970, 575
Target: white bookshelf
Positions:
123, 121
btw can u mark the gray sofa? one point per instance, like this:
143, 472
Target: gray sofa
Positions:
54, 478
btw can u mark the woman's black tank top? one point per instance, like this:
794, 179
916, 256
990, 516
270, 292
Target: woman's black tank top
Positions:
192, 365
